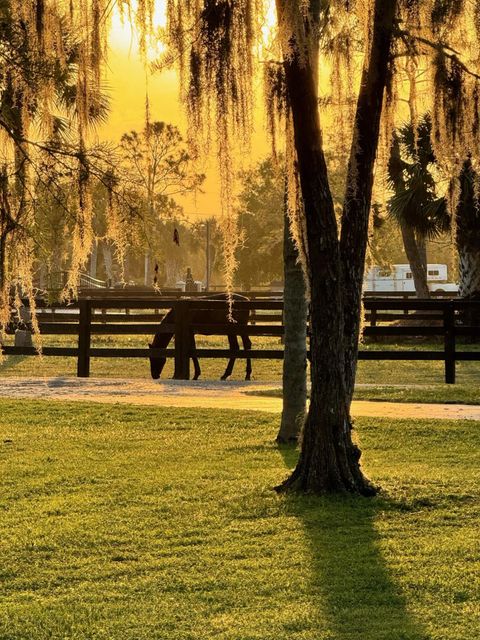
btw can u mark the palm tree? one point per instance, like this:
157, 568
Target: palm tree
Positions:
420, 214
468, 233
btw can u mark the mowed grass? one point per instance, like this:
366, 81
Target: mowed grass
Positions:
123, 522
436, 394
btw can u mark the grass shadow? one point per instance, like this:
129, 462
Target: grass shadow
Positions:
349, 575
10, 362
349, 569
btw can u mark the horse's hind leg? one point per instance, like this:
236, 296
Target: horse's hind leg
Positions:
196, 363
247, 345
233, 344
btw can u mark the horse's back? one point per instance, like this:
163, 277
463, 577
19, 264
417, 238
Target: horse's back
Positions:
226, 297
221, 315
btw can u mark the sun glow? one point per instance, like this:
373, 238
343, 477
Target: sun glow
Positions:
268, 29
124, 35
129, 80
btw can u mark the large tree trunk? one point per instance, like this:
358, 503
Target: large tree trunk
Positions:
468, 233
294, 381
9, 220
415, 260
469, 287
468, 242
360, 175
469, 272
422, 250
329, 461
295, 350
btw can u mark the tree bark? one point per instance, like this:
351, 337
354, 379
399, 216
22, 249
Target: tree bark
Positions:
415, 260
294, 381
469, 287
329, 460
468, 243
295, 341
469, 272
422, 250
360, 176
468, 232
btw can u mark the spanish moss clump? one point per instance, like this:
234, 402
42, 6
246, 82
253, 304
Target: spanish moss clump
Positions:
276, 105
445, 13
213, 44
49, 99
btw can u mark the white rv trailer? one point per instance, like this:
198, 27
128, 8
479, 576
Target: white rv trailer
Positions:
400, 278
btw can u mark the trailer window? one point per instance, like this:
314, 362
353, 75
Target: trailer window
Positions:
408, 275
434, 273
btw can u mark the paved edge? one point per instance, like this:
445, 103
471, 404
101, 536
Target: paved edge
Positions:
232, 395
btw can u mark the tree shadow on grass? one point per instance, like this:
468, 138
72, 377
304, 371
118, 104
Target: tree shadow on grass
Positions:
349, 575
10, 362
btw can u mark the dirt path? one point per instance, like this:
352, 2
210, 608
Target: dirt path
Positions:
204, 394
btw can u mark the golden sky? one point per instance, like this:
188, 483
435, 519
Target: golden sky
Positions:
127, 81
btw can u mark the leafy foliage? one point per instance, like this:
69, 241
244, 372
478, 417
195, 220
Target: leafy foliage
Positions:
134, 208
260, 214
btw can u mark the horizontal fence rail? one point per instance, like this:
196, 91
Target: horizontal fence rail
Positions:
438, 319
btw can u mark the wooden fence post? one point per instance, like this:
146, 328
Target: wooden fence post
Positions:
182, 340
449, 327
84, 334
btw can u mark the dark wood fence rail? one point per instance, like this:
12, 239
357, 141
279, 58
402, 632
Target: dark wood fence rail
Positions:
396, 318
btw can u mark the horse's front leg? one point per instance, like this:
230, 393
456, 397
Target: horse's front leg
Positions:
196, 363
247, 345
233, 344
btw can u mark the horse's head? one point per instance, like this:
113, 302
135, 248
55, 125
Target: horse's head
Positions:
157, 362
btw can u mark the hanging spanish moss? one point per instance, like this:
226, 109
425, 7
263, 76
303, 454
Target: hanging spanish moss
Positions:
213, 45
50, 98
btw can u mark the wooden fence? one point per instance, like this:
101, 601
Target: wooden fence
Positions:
255, 294
134, 293
442, 320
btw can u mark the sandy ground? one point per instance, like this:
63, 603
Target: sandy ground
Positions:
203, 394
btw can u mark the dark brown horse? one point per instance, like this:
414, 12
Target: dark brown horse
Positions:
207, 316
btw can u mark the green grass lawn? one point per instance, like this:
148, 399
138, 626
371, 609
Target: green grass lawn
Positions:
435, 393
123, 522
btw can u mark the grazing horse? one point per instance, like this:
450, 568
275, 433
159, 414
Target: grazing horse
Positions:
207, 316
